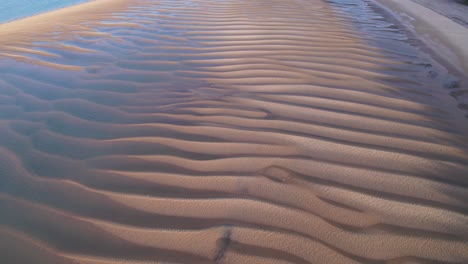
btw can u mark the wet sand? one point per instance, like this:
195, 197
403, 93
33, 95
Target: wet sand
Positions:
227, 132
453, 9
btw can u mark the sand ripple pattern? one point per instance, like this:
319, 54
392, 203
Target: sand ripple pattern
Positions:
229, 132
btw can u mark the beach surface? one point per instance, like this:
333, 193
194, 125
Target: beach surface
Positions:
138, 131
456, 10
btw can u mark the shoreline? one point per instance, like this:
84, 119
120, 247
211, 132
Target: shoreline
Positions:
452, 9
46, 10
446, 38
24, 29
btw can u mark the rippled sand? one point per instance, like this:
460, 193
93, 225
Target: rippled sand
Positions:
227, 132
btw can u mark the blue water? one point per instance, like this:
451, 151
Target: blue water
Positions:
15, 9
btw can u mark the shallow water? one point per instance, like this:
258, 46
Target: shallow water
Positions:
15, 9
230, 132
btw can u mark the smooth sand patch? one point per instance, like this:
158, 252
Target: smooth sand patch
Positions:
444, 36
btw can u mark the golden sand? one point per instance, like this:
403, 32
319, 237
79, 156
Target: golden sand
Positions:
224, 132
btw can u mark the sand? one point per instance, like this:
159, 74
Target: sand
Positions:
443, 33
453, 9
227, 132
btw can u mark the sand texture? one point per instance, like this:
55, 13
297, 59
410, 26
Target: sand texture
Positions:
453, 9
240, 131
